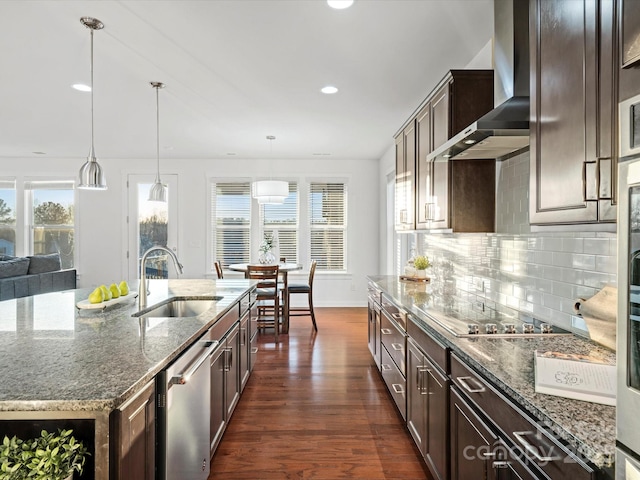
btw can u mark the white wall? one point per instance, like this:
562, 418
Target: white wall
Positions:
101, 216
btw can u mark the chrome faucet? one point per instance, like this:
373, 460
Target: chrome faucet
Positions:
142, 292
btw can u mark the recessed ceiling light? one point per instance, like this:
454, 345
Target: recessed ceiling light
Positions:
81, 87
231, 154
339, 4
40, 153
329, 89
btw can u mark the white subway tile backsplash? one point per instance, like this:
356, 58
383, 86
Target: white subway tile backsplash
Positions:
540, 274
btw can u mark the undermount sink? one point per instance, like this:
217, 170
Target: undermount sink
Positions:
179, 308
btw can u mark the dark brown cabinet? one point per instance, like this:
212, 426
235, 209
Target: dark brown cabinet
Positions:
427, 407
133, 437
456, 195
573, 102
405, 177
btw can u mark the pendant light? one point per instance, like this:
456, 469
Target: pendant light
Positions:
158, 192
270, 191
91, 174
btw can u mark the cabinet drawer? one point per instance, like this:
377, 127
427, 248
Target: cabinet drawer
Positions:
436, 352
394, 340
374, 293
245, 304
395, 381
398, 315
529, 438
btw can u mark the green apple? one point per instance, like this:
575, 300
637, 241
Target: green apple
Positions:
124, 288
106, 291
96, 296
115, 291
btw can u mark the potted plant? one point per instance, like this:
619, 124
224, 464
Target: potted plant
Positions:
421, 263
51, 456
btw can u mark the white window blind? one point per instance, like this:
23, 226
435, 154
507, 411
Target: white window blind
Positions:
231, 212
283, 218
328, 218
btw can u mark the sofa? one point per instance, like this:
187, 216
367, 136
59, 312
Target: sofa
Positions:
25, 276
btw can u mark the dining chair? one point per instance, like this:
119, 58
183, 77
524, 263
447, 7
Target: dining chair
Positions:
218, 266
267, 296
304, 288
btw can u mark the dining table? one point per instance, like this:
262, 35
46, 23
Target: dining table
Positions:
283, 269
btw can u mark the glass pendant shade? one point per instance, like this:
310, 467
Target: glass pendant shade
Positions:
270, 191
91, 175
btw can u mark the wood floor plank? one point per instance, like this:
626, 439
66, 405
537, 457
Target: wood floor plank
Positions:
315, 408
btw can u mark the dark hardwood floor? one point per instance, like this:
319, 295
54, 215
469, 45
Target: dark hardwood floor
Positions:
315, 407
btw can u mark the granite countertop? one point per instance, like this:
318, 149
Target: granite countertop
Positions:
56, 357
588, 428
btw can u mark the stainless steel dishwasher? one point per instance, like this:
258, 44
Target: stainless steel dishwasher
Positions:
183, 414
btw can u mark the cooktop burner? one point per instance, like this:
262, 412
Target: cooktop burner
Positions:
473, 320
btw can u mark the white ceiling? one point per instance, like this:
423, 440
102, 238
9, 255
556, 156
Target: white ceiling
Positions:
236, 71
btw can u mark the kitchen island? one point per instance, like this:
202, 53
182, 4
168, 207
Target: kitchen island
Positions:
507, 364
61, 363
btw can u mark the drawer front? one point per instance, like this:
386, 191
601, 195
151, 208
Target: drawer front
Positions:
253, 350
398, 315
395, 381
436, 352
394, 340
373, 293
529, 438
245, 304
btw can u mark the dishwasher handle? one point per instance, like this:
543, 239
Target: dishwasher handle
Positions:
183, 378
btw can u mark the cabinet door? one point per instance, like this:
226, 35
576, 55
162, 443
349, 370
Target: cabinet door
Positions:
424, 186
405, 177
134, 432
471, 443
564, 112
437, 440
440, 116
232, 371
417, 392
245, 350
218, 404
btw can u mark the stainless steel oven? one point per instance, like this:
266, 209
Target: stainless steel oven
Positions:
628, 328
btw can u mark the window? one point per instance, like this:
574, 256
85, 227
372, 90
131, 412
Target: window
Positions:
328, 222
231, 220
8, 217
283, 219
50, 209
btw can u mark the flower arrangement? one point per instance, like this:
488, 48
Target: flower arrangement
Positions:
51, 456
421, 262
268, 244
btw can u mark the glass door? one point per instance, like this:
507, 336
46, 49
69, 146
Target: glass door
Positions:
633, 341
152, 223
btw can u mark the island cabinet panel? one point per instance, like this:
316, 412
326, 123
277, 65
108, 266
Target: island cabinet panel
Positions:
460, 99
405, 177
133, 438
573, 155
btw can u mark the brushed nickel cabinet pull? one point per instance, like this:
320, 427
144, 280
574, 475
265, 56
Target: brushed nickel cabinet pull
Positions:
531, 449
464, 382
397, 388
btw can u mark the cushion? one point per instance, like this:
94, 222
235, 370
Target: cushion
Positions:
44, 263
6, 257
14, 267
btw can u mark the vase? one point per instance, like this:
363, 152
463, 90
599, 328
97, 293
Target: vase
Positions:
267, 258
421, 273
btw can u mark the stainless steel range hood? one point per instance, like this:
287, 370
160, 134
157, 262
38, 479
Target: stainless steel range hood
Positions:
504, 131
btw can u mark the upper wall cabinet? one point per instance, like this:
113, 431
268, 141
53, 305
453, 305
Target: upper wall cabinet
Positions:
443, 200
573, 103
405, 177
